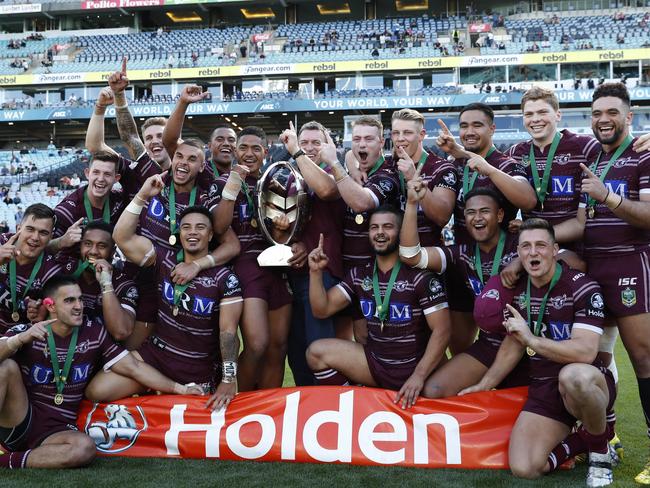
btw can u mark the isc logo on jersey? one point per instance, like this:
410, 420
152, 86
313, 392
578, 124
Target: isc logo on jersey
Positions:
117, 429
399, 312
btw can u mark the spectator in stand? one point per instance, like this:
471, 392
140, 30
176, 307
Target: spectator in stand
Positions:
50, 192
4, 227
243, 48
375, 53
51, 149
195, 59
19, 215
65, 182
75, 181
620, 38
171, 60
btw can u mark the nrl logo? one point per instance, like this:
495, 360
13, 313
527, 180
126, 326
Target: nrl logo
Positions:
119, 431
525, 161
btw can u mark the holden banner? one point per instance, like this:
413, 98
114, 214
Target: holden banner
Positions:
328, 424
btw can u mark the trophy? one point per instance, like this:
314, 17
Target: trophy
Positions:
281, 192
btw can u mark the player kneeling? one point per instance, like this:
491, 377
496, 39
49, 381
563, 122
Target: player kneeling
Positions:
405, 308
44, 369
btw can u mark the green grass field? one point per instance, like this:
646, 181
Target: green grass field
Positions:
162, 472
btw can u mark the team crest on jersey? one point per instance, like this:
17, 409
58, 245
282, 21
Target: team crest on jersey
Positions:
492, 294
450, 179
132, 293
628, 297
622, 162
386, 185
522, 301
562, 159
525, 161
597, 301
117, 430
557, 302
435, 286
3, 268
83, 347
366, 284
401, 285
232, 282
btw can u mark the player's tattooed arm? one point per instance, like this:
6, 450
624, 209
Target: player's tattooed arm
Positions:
129, 131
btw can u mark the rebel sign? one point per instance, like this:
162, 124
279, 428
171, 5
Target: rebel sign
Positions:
314, 424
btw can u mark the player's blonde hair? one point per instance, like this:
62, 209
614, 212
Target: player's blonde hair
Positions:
538, 93
408, 114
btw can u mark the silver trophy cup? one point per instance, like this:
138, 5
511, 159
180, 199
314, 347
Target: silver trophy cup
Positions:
283, 211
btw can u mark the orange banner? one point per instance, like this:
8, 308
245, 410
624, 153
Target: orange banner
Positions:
312, 425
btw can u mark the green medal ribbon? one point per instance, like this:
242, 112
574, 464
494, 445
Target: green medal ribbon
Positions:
541, 188
12, 280
179, 289
106, 216
421, 162
538, 325
377, 165
384, 306
81, 267
322, 166
468, 182
621, 149
249, 197
172, 206
497, 258
214, 169
61, 376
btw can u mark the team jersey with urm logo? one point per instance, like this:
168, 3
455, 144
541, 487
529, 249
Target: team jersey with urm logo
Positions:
193, 334
606, 234
94, 349
384, 187
72, 208
405, 334
563, 196
91, 294
500, 161
575, 302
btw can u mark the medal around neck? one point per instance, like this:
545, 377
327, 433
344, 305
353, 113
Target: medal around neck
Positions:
281, 192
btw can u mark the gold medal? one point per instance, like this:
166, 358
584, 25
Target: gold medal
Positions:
254, 223
359, 219
591, 212
15, 316
172, 240
530, 351
175, 311
58, 399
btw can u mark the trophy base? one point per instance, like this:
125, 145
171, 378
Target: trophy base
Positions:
277, 255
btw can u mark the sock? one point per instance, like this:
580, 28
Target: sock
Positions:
611, 424
570, 447
595, 442
330, 377
14, 460
644, 394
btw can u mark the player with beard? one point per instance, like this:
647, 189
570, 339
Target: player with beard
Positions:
617, 231
491, 249
222, 140
44, 369
439, 175
479, 164
159, 224
110, 297
556, 318
311, 146
267, 299
197, 321
406, 310
25, 264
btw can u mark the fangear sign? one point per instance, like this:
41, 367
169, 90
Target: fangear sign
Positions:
351, 425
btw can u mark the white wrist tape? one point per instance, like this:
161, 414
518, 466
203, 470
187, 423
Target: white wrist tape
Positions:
608, 339
233, 186
229, 371
105, 279
134, 207
424, 260
409, 251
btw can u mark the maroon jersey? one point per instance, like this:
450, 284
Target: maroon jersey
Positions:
575, 302
250, 237
72, 208
405, 335
606, 234
500, 161
462, 256
133, 174
91, 294
94, 349
154, 219
49, 268
193, 335
563, 196
436, 173
384, 187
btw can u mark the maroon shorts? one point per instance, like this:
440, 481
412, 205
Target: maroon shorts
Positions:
200, 371
388, 375
261, 282
544, 398
148, 299
625, 281
37, 426
485, 351
459, 297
